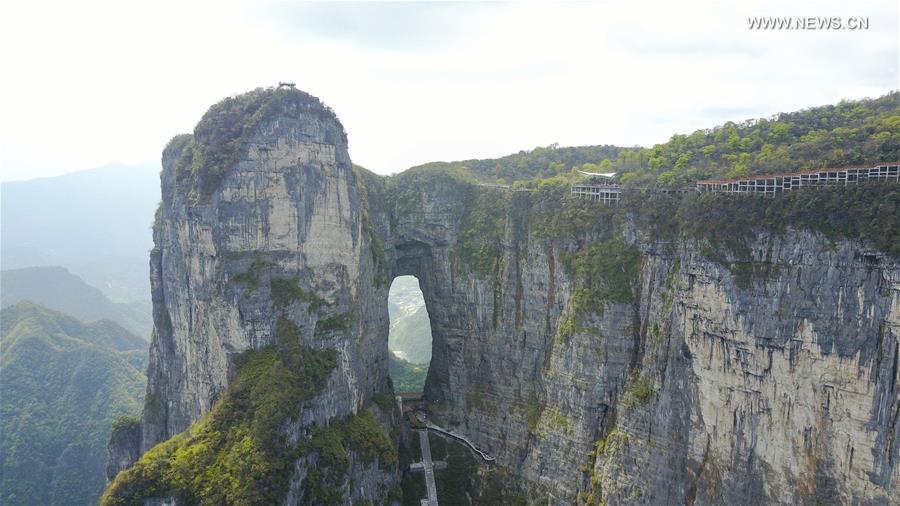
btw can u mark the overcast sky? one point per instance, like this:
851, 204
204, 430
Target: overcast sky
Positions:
87, 84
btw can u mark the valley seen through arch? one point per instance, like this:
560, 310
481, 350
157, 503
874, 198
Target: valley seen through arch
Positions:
409, 342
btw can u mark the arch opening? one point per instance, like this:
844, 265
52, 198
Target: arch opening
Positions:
409, 339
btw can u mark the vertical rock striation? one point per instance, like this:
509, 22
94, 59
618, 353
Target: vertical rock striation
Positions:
714, 377
260, 227
778, 389
600, 356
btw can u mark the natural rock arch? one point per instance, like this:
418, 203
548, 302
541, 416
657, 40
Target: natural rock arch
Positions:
574, 384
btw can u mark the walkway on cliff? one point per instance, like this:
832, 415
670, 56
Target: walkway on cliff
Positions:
484, 456
429, 468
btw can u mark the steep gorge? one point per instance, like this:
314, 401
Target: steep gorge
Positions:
601, 354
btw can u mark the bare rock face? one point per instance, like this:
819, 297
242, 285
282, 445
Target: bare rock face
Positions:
597, 358
288, 209
711, 379
279, 235
124, 446
778, 389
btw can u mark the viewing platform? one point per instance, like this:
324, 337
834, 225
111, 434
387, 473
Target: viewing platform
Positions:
599, 187
606, 193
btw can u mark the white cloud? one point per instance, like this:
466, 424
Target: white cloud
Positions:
89, 84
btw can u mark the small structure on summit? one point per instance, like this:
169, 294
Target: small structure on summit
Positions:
285, 85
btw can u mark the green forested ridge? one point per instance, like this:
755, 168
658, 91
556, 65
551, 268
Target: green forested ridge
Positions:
63, 384
406, 376
540, 162
58, 289
236, 453
851, 132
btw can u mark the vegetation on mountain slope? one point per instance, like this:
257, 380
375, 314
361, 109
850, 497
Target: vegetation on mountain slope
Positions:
237, 453
60, 290
64, 383
538, 163
851, 132
867, 212
406, 376
410, 334
360, 433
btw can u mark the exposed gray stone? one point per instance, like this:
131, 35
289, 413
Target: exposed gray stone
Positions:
784, 391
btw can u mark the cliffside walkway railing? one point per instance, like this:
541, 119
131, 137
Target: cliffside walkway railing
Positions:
775, 183
603, 188
484, 456
609, 192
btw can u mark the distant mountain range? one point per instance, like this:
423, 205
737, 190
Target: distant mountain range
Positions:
59, 289
96, 223
63, 383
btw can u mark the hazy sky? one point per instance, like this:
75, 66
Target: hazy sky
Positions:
88, 84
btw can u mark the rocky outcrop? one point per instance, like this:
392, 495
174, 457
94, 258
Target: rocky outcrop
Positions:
598, 356
124, 447
288, 209
276, 237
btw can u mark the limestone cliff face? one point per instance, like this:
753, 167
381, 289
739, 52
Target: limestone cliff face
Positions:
709, 386
287, 212
783, 389
124, 447
595, 357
